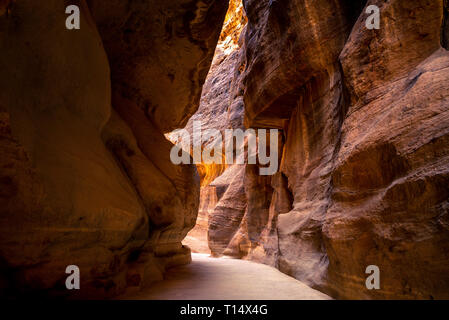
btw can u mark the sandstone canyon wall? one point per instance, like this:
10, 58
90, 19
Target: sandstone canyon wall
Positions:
221, 108
85, 177
365, 119
364, 116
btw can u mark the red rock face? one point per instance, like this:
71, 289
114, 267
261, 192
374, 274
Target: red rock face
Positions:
363, 162
393, 159
222, 197
85, 173
158, 43
364, 165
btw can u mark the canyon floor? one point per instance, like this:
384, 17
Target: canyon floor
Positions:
209, 278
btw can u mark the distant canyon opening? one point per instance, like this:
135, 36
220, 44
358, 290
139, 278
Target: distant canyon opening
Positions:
221, 107
306, 219
86, 128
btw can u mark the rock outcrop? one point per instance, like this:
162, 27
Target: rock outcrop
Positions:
363, 114
393, 161
365, 162
85, 173
221, 108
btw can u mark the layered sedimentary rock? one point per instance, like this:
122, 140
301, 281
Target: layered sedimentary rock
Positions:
274, 59
363, 116
364, 170
148, 41
393, 161
221, 108
226, 218
86, 180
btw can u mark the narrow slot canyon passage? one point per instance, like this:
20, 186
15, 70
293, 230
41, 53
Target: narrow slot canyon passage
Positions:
115, 159
209, 278
217, 274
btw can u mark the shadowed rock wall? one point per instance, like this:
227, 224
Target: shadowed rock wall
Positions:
83, 183
85, 174
221, 108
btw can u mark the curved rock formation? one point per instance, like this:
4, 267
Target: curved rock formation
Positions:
365, 119
221, 108
364, 166
84, 184
363, 115
393, 161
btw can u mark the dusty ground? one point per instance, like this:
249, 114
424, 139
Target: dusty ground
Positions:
227, 279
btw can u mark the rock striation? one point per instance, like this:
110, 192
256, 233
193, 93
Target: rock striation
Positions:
364, 167
363, 115
84, 170
221, 108
364, 162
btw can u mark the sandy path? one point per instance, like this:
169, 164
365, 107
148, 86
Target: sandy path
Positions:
227, 279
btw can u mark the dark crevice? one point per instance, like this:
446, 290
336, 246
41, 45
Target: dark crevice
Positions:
445, 26
353, 9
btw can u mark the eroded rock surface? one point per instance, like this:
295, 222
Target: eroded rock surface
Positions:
84, 183
148, 41
364, 166
85, 174
393, 161
365, 120
221, 108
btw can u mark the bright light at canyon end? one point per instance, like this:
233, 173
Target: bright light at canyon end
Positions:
224, 150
